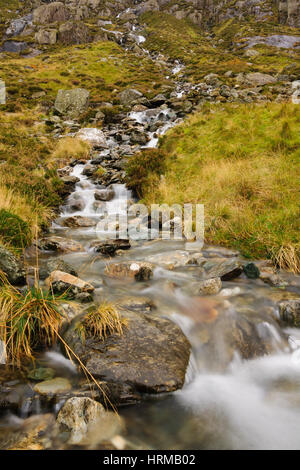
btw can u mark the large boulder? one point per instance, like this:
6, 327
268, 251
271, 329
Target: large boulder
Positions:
2, 92
51, 13
56, 264
289, 12
220, 332
72, 103
14, 46
46, 36
259, 79
151, 356
93, 136
16, 27
130, 96
12, 267
225, 269
73, 33
60, 244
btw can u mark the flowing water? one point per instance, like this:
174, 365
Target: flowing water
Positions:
227, 402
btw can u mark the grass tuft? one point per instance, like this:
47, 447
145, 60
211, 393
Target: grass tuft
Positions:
29, 319
102, 322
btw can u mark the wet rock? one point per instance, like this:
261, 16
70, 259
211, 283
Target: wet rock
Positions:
69, 185
104, 194
210, 286
218, 251
174, 259
109, 247
87, 422
41, 373
89, 170
251, 271
93, 136
12, 267
72, 286
151, 356
56, 265
70, 180
138, 304
53, 386
226, 270
222, 332
50, 13
289, 312
76, 205
78, 221
139, 137
34, 434
269, 276
72, 103
130, 96
138, 270
64, 245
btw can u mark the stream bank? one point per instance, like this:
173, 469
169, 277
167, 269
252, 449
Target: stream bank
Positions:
242, 376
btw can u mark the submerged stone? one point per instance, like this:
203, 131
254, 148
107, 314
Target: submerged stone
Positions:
53, 386
86, 421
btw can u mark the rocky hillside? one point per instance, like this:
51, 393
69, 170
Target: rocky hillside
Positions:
125, 56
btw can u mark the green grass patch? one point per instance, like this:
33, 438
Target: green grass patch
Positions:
243, 163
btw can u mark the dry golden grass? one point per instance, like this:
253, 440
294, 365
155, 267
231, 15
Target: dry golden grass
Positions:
102, 322
27, 208
28, 320
68, 148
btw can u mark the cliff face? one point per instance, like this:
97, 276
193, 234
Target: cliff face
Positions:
202, 12
289, 12
212, 12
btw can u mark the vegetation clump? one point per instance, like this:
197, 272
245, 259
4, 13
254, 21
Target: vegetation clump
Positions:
101, 323
144, 170
29, 319
14, 230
